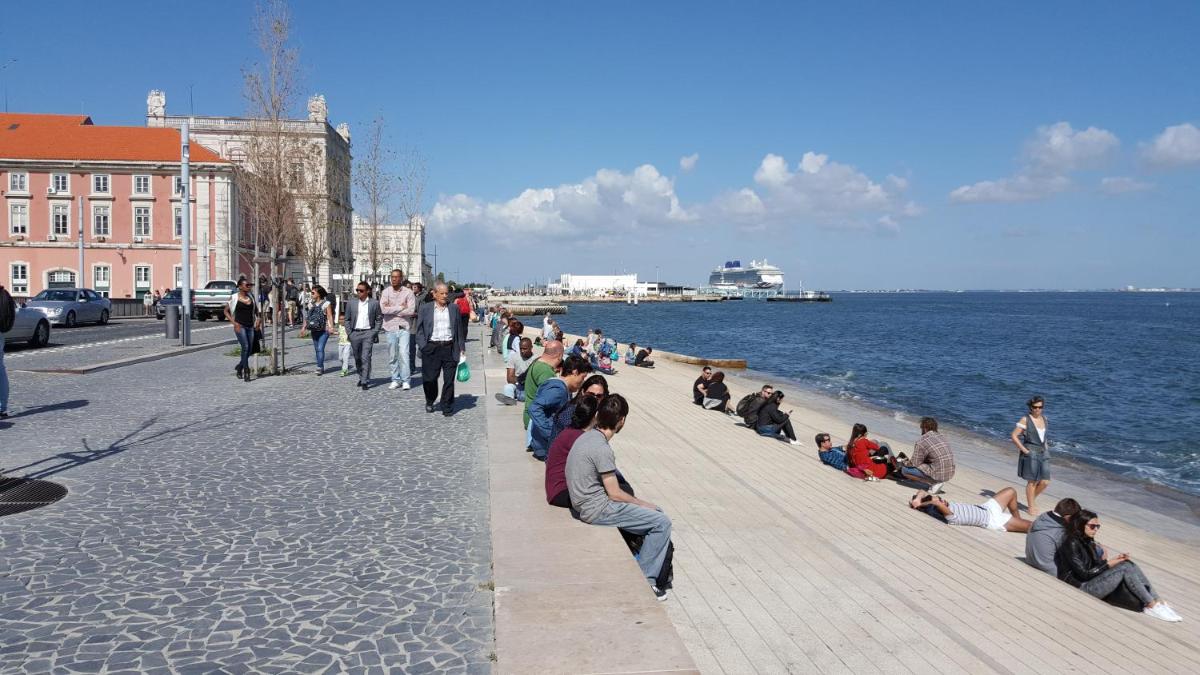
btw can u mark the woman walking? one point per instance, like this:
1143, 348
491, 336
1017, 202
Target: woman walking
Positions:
1086, 565
318, 321
1033, 464
242, 312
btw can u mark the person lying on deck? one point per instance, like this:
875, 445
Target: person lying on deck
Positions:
990, 514
829, 455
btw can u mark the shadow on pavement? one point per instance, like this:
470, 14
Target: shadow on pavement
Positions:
64, 405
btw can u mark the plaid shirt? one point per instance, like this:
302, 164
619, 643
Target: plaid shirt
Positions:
933, 457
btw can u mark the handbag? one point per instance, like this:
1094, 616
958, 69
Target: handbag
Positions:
464, 370
256, 343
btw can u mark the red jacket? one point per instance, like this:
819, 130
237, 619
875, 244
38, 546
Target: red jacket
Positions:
859, 456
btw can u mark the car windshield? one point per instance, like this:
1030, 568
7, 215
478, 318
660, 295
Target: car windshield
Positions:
56, 296
224, 285
175, 294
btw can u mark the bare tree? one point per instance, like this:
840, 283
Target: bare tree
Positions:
275, 157
411, 177
375, 187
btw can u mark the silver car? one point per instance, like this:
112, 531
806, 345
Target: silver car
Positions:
30, 326
71, 306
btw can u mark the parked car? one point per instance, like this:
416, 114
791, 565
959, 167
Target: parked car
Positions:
31, 326
211, 300
172, 299
71, 306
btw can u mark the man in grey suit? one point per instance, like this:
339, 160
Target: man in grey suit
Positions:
440, 339
363, 321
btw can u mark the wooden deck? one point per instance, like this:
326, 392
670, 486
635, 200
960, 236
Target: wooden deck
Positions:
784, 565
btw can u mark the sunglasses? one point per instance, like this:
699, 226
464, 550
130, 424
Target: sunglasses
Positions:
1038, 407
1090, 526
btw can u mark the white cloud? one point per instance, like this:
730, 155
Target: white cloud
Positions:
1118, 185
1175, 146
608, 200
1019, 188
817, 190
1052, 153
689, 162
1058, 148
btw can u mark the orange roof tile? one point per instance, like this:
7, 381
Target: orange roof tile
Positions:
74, 137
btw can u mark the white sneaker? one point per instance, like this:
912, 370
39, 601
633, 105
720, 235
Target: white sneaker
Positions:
406, 386
394, 385
1163, 613
935, 488
790, 442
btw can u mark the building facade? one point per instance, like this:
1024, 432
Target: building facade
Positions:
582, 284
397, 246
60, 174
322, 192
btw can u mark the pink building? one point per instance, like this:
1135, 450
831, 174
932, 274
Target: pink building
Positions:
123, 183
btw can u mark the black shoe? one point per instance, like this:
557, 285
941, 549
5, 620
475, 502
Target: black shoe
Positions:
428, 407
364, 385
238, 371
660, 594
447, 412
246, 375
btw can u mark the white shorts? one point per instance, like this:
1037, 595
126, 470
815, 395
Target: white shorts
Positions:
997, 516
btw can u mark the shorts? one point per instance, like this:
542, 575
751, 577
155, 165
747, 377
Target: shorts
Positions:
997, 516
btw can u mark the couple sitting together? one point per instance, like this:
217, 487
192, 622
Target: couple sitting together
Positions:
759, 411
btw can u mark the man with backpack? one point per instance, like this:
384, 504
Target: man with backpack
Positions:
8, 316
748, 407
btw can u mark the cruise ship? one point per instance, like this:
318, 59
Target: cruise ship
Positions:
759, 274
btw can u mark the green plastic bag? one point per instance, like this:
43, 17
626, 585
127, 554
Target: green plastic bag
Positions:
464, 371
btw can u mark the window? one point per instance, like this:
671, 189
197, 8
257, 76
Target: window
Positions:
178, 276
18, 276
100, 276
100, 224
18, 182
60, 182
18, 218
61, 279
141, 185
141, 221
178, 222
60, 220
100, 183
178, 185
141, 276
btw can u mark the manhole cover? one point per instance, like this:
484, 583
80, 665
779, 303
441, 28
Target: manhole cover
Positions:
25, 494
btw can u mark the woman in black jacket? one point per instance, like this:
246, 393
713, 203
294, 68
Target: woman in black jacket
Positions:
771, 421
1086, 566
716, 394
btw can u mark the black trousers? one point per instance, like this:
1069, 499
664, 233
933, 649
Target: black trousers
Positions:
438, 359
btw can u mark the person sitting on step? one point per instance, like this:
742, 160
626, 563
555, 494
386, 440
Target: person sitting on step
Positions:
773, 422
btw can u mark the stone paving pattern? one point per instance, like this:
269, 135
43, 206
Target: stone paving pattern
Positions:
291, 524
101, 348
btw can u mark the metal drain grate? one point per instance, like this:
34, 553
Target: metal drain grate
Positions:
25, 494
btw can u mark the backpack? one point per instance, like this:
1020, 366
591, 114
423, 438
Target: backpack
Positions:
748, 408
315, 321
8, 311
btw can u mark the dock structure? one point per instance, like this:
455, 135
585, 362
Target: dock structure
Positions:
784, 565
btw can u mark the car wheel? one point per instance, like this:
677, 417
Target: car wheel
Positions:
41, 335
103, 316
202, 316
70, 323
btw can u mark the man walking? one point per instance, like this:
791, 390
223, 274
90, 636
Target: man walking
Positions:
399, 305
440, 341
8, 315
363, 321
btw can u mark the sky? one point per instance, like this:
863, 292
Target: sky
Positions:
857, 145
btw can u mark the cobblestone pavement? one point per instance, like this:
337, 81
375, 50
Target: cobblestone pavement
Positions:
289, 524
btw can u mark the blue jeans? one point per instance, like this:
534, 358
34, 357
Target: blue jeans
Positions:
245, 338
398, 355
515, 392
655, 525
916, 474
3, 379
319, 339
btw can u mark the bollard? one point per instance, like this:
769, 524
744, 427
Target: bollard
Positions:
172, 320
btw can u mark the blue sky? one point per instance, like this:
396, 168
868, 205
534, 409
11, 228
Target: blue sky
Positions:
856, 145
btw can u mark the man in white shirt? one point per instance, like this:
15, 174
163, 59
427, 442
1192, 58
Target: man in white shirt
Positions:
440, 340
363, 320
399, 305
518, 363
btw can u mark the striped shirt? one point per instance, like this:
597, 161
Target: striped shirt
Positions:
971, 515
933, 457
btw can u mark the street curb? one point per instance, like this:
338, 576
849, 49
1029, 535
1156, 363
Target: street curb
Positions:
134, 360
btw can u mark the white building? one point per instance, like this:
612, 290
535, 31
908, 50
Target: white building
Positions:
330, 185
581, 284
397, 246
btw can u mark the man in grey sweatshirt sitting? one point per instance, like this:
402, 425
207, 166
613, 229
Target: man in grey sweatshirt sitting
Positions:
1046, 534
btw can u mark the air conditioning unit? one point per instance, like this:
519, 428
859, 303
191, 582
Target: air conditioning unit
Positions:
50, 190
101, 239
137, 240
52, 238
